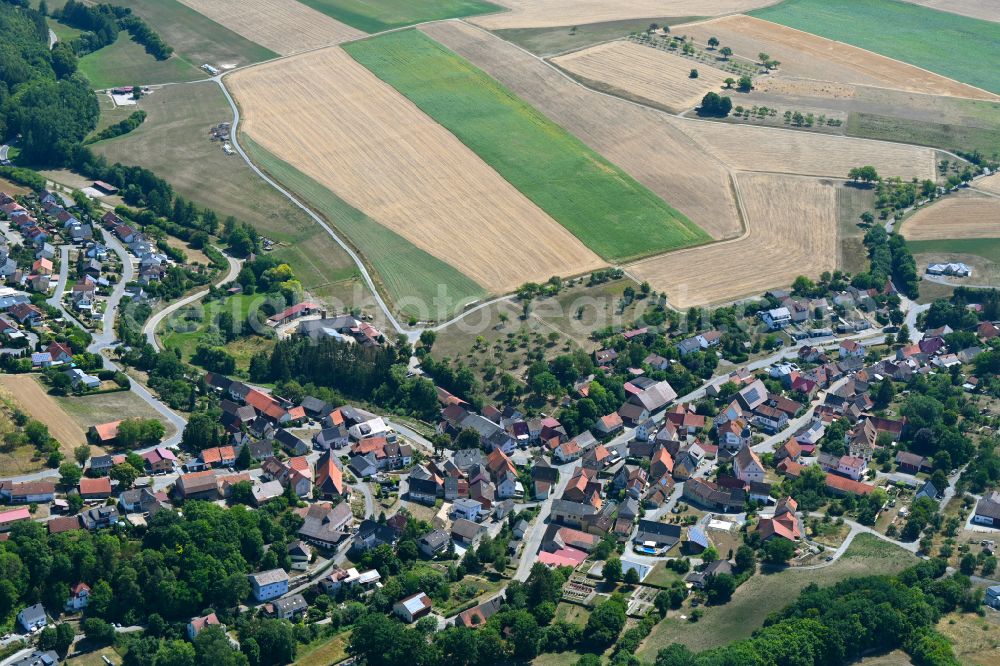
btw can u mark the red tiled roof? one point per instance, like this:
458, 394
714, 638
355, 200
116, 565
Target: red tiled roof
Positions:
848, 485
107, 431
98, 486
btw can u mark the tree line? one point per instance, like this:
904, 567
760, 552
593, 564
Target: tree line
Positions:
101, 25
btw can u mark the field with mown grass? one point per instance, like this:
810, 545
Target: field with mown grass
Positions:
379, 15
126, 63
955, 46
600, 204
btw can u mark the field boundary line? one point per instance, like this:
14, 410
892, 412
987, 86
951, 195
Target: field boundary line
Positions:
996, 97
411, 333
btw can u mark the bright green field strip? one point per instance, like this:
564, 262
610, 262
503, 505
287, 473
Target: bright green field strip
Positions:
604, 207
405, 271
196, 38
379, 15
988, 248
126, 63
962, 48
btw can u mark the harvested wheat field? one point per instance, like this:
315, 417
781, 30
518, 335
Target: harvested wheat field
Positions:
284, 26
336, 122
39, 405
807, 56
783, 85
987, 10
988, 184
792, 231
646, 74
553, 13
966, 215
750, 148
640, 141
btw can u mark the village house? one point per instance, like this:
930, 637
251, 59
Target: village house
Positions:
268, 585
196, 624
413, 607
747, 466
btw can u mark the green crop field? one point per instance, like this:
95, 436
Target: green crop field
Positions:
196, 38
987, 248
600, 204
379, 15
955, 46
404, 270
174, 143
126, 63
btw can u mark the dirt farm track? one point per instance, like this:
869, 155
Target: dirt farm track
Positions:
334, 120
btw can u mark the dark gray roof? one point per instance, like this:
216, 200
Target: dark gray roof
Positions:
661, 533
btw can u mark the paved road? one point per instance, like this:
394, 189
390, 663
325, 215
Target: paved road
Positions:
56, 299
533, 539
149, 329
912, 309
412, 435
107, 335
366, 490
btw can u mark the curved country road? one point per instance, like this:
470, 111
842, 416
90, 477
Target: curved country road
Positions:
149, 328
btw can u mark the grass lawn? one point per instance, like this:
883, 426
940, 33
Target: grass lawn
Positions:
550, 41
988, 248
87, 410
599, 203
404, 270
194, 37
173, 142
572, 613
126, 63
948, 44
191, 325
379, 15
93, 658
949, 137
324, 652
765, 593
661, 576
